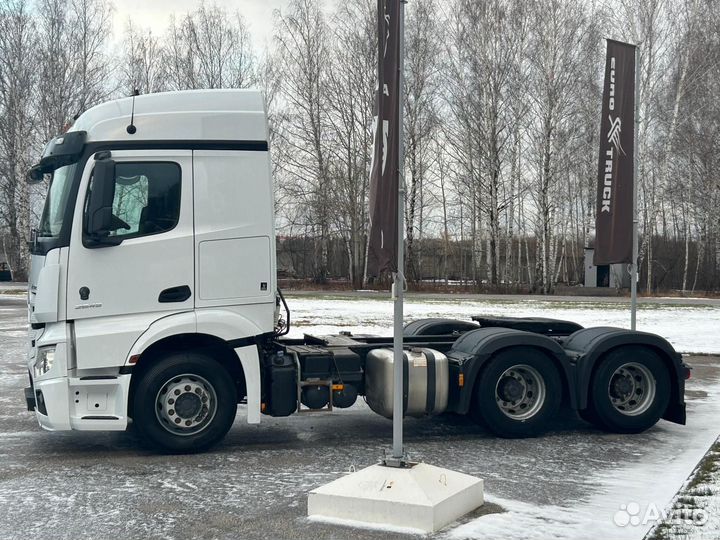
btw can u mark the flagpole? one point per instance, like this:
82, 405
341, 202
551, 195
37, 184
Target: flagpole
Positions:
399, 279
417, 500
634, 264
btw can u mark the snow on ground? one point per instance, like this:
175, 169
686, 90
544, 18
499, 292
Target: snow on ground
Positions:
571, 484
355, 524
691, 328
695, 511
647, 486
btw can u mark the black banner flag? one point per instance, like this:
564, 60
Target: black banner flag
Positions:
384, 172
614, 219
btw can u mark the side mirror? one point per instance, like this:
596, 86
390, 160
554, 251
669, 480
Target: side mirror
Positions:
99, 209
35, 174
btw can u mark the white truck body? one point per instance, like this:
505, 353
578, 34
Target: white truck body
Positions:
222, 248
153, 299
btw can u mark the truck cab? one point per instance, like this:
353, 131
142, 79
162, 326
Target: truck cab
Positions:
158, 222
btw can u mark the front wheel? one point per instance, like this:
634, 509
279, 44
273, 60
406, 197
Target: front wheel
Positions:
185, 402
519, 392
630, 390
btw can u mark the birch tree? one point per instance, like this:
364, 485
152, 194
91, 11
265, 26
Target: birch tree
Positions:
91, 21
73, 60
17, 122
553, 54
422, 79
210, 48
142, 68
351, 85
301, 40
490, 38
57, 79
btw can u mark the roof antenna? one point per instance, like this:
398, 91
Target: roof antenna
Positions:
131, 129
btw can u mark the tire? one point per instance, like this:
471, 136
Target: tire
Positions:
530, 414
622, 375
197, 384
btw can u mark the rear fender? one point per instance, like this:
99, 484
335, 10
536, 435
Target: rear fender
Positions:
588, 346
474, 349
438, 327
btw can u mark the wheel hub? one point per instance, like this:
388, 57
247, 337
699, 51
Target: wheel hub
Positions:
520, 392
632, 389
622, 386
511, 389
186, 404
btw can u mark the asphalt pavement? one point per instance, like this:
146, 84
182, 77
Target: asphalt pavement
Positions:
254, 484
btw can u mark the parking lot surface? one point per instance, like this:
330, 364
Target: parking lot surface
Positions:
568, 483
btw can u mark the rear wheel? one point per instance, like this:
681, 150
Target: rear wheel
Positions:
184, 403
518, 393
630, 390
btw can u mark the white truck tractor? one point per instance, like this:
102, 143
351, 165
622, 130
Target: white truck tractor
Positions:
153, 301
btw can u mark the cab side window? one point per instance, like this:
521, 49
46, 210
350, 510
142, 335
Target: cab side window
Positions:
147, 198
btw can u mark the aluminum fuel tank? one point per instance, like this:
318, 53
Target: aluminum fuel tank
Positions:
425, 374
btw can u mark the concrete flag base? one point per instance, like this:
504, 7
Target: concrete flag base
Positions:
421, 497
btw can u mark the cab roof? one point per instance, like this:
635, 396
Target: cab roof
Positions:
188, 115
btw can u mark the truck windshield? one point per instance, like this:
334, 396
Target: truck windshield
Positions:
56, 202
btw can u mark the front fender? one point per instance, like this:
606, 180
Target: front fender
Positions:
178, 323
223, 324
473, 349
226, 324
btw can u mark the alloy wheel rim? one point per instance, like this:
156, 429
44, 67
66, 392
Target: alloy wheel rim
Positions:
186, 404
632, 389
520, 392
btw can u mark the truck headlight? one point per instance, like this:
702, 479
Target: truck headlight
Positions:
44, 361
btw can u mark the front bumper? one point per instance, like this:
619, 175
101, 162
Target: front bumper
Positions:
52, 404
66, 398
30, 398
88, 403
50, 388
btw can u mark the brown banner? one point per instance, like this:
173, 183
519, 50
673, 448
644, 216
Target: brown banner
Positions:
383, 243
614, 219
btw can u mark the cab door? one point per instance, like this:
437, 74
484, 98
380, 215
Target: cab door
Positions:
114, 292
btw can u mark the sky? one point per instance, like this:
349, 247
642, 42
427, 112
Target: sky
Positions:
155, 15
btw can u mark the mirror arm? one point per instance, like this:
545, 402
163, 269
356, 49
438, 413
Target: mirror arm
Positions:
99, 241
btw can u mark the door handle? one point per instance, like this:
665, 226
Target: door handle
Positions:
175, 294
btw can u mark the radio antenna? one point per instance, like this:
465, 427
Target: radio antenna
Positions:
131, 129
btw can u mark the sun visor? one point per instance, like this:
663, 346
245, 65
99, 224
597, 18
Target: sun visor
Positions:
60, 151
